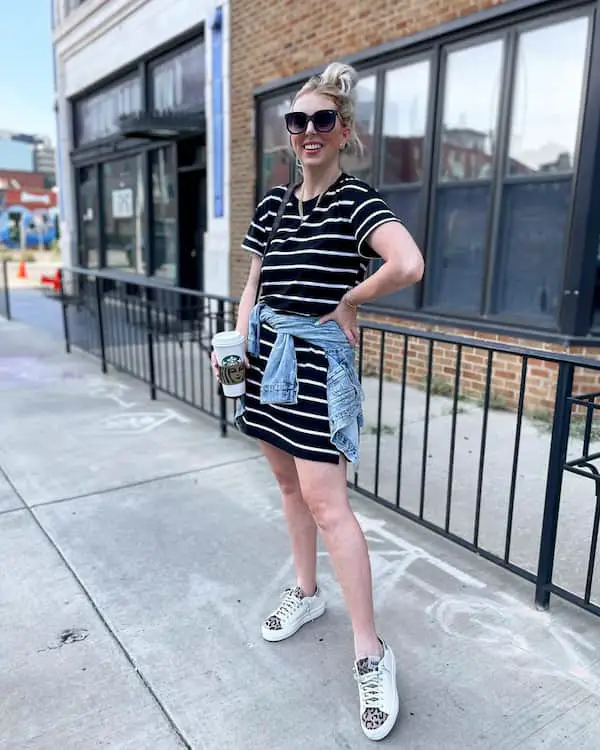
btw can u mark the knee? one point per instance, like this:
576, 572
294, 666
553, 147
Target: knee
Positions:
327, 511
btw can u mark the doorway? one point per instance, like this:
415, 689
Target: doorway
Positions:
191, 168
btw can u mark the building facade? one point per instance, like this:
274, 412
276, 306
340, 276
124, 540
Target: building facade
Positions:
481, 123
142, 97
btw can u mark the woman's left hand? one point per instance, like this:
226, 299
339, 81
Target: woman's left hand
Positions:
345, 316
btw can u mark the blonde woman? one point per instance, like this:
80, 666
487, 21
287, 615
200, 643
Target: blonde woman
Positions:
302, 398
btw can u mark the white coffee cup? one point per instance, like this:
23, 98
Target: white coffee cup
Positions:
229, 348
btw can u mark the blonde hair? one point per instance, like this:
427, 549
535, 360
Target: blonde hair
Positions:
338, 82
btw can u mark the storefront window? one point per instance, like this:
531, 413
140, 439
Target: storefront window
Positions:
89, 245
98, 116
277, 158
465, 167
123, 193
362, 166
405, 116
164, 213
178, 82
542, 147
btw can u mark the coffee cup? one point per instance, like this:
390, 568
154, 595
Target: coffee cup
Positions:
229, 348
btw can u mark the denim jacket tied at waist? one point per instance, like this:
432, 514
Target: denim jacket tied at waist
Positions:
280, 378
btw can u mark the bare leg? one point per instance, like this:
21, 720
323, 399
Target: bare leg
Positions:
300, 523
325, 493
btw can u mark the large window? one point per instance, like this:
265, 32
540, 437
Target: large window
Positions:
537, 185
362, 165
276, 156
405, 126
98, 115
177, 83
164, 213
123, 219
467, 144
477, 151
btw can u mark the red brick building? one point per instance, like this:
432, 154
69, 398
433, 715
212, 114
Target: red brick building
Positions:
481, 123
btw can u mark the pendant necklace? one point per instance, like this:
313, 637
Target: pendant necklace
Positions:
301, 207
301, 200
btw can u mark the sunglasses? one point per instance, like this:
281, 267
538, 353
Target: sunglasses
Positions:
323, 121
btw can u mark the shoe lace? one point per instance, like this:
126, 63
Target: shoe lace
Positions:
288, 605
370, 688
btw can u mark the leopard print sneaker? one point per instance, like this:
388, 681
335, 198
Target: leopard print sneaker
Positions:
378, 694
294, 611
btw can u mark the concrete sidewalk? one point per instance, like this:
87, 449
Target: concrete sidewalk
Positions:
140, 552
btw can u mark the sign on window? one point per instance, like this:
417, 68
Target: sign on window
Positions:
122, 203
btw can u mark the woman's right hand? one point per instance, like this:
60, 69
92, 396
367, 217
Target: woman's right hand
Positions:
215, 365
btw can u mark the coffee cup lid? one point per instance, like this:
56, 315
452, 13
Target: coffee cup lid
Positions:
227, 338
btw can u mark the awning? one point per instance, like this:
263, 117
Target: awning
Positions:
162, 125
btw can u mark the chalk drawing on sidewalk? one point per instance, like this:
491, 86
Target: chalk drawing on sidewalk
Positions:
111, 390
521, 636
376, 532
462, 606
139, 423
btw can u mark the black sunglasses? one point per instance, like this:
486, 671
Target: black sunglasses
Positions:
323, 120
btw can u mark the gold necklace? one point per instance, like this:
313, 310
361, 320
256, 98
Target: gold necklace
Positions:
301, 200
301, 207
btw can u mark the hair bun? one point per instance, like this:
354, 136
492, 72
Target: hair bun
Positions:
340, 75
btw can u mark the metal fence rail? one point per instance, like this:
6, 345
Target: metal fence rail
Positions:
161, 336
485, 443
448, 444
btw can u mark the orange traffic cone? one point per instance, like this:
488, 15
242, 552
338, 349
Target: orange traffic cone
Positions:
22, 270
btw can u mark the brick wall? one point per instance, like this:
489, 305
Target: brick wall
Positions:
506, 369
268, 45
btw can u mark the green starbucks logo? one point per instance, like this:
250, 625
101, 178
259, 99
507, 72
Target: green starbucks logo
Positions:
232, 370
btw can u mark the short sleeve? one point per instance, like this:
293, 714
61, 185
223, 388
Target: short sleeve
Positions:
262, 222
370, 211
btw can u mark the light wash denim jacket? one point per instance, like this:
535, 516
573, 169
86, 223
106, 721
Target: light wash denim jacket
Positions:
280, 379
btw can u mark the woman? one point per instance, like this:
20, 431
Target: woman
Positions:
312, 279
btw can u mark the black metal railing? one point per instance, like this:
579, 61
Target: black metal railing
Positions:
472, 440
157, 334
485, 443
4, 291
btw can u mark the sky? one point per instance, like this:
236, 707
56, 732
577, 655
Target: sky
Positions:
26, 77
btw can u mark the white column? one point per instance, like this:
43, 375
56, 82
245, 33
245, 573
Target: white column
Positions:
216, 238
68, 225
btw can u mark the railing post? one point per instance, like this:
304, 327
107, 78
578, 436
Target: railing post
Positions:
150, 344
101, 338
63, 304
222, 397
6, 289
558, 455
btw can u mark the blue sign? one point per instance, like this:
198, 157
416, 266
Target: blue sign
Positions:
217, 111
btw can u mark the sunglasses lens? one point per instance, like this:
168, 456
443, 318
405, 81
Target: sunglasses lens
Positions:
324, 120
296, 122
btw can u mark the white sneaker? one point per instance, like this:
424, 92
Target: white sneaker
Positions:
378, 693
294, 611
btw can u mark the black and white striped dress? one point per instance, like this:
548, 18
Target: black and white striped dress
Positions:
309, 266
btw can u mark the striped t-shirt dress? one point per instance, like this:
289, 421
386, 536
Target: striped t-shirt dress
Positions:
310, 264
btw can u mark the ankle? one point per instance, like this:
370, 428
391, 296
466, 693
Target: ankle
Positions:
365, 647
307, 590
